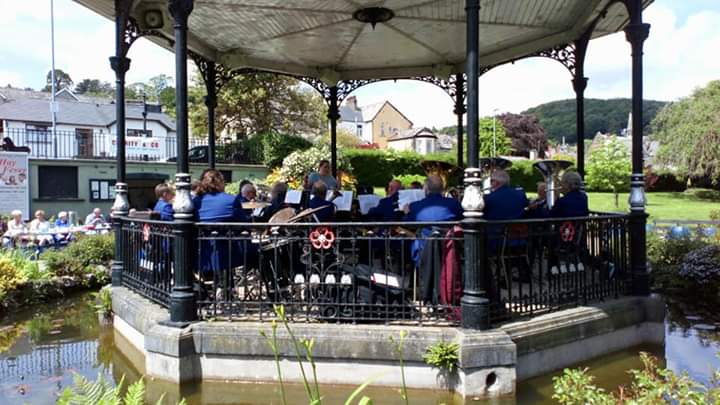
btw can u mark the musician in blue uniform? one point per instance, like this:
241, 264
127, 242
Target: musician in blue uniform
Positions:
165, 195
504, 202
213, 204
574, 202
387, 209
319, 193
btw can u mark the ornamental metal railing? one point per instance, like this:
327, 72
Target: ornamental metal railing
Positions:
332, 272
93, 144
370, 272
148, 258
543, 265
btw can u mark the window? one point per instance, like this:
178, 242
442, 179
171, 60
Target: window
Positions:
57, 182
358, 130
37, 133
139, 132
102, 190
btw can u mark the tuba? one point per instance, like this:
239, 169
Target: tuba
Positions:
487, 166
443, 169
551, 170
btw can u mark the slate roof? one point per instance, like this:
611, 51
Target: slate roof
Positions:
34, 106
422, 132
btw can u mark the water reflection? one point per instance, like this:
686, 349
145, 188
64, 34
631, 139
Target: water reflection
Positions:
40, 350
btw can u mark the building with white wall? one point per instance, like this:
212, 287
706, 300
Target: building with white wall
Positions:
84, 126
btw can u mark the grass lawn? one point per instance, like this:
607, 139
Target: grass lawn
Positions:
661, 206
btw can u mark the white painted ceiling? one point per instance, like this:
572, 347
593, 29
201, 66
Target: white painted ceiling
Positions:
320, 37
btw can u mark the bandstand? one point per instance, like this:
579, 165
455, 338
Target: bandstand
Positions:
351, 285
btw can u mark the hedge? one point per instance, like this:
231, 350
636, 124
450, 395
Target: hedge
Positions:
377, 167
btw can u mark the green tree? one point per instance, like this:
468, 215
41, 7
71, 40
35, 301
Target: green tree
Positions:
503, 144
689, 134
260, 103
62, 80
606, 116
346, 139
608, 168
93, 87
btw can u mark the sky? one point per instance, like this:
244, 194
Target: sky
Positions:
680, 55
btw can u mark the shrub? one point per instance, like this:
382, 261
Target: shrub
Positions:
300, 163
702, 194
663, 181
82, 256
523, 174
275, 146
702, 266
10, 275
408, 179
377, 167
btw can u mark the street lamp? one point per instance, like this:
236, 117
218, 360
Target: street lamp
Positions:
494, 154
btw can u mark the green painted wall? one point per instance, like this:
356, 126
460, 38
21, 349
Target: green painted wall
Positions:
97, 169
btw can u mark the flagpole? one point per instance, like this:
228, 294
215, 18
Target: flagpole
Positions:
53, 106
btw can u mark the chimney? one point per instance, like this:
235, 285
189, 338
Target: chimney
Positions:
352, 103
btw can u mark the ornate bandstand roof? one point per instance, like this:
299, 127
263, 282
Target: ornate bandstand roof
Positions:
328, 38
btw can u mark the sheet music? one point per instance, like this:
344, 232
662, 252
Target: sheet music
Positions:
293, 196
343, 202
368, 201
407, 197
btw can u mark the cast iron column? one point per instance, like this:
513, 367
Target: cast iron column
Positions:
211, 103
475, 307
182, 298
333, 116
579, 82
459, 112
636, 33
121, 206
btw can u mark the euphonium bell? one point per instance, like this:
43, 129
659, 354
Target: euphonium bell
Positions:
437, 167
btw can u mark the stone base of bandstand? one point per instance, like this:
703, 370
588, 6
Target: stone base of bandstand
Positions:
491, 362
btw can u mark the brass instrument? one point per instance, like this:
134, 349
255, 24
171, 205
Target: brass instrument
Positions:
439, 168
488, 165
551, 170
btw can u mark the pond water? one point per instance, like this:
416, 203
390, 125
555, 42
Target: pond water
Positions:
43, 348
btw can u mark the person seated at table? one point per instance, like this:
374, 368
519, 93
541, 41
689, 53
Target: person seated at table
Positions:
165, 195
323, 174
504, 202
317, 200
62, 225
16, 230
537, 208
213, 204
387, 209
416, 185
277, 201
573, 203
41, 227
95, 218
